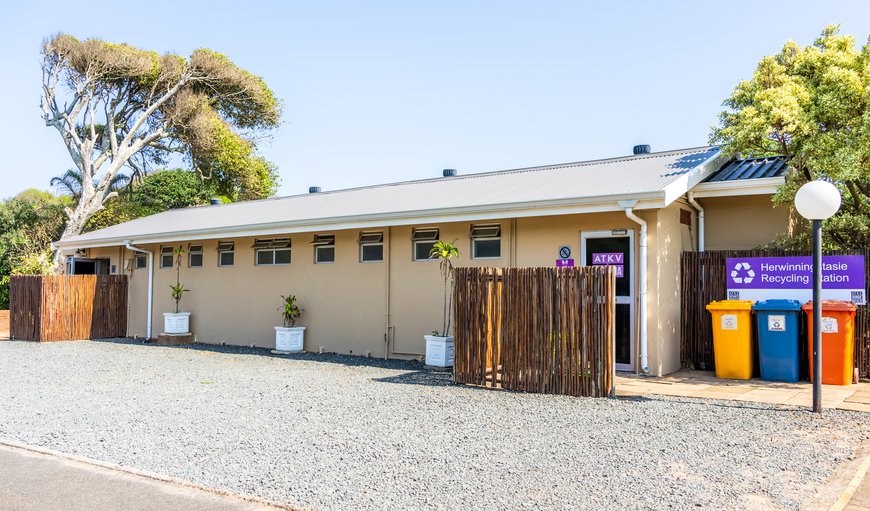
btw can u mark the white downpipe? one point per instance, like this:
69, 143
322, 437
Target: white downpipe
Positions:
700, 210
644, 353
129, 245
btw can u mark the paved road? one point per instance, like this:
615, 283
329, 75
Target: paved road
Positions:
32, 481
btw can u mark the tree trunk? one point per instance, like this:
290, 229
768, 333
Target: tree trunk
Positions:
74, 226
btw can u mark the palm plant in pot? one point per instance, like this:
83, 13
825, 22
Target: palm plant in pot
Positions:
177, 322
289, 338
439, 345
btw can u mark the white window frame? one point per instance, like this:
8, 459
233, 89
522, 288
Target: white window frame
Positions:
167, 251
323, 241
224, 247
274, 246
140, 257
428, 235
191, 252
482, 236
364, 237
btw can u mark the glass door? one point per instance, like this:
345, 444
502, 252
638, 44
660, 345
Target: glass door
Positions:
616, 248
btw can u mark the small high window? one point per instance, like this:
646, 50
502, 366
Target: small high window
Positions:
166, 257
226, 253
274, 251
141, 261
486, 241
324, 248
194, 256
371, 247
424, 241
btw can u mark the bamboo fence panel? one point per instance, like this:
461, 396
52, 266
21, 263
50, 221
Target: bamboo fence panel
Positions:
704, 279
542, 330
67, 307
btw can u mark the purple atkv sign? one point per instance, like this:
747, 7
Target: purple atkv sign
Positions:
763, 278
615, 259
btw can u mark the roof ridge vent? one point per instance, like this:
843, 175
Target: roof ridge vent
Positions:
642, 149
313, 189
449, 173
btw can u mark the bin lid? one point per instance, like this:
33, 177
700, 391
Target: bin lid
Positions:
732, 305
777, 305
832, 305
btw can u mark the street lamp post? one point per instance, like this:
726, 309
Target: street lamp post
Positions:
817, 201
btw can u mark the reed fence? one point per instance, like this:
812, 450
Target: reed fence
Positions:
67, 307
704, 279
542, 330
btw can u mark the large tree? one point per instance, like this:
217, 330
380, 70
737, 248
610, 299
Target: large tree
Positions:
810, 104
117, 106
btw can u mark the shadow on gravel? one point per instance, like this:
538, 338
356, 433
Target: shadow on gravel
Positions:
421, 377
326, 358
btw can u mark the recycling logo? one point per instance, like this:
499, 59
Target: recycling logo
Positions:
742, 273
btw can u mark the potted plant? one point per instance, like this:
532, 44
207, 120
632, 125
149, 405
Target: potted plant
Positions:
439, 345
289, 338
177, 322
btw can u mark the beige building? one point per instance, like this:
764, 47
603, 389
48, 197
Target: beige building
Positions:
357, 259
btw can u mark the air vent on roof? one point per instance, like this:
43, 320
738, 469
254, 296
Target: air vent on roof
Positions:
214, 201
642, 149
313, 189
449, 172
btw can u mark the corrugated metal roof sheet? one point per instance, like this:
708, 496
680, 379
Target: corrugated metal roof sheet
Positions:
631, 175
750, 168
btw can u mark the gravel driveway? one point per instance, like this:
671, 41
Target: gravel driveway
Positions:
334, 432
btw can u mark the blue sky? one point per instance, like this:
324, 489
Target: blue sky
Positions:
384, 91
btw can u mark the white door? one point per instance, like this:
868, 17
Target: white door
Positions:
616, 248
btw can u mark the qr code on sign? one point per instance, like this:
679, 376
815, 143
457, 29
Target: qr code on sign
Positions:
733, 295
858, 298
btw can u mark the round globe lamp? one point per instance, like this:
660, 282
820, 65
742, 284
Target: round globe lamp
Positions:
817, 201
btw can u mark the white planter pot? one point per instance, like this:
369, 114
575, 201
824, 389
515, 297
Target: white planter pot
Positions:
289, 338
176, 322
439, 350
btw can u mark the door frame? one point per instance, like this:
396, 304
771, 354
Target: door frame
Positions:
631, 298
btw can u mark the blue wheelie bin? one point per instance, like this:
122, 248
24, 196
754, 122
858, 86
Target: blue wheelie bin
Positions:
778, 353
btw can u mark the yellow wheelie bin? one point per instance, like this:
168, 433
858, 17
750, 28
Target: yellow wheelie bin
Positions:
732, 338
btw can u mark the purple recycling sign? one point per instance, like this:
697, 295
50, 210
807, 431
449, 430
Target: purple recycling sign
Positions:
763, 278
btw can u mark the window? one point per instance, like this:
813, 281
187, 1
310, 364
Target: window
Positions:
272, 251
194, 256
141, 261
424, 241
166, 257
371, 247
486, 241
324, 248
226, 253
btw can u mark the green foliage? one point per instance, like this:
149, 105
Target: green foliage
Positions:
811, 105
290, 310
151, 109
29, 223
445, 252
157, 192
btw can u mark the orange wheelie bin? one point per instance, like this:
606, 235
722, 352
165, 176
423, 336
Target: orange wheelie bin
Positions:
838, 340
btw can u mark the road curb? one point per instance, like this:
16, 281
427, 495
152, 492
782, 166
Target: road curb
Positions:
5, 442
852, 487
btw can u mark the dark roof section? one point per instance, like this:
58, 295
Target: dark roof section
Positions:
750, 168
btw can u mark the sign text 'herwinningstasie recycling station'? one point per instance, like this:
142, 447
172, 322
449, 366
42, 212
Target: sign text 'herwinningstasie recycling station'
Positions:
765, 278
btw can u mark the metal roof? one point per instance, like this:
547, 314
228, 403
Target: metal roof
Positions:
658, 178
751, 168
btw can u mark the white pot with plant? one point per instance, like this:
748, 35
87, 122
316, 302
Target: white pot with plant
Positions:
289, 338
439, 345
177, 322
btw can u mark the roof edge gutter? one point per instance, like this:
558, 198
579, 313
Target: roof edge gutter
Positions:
129, 245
